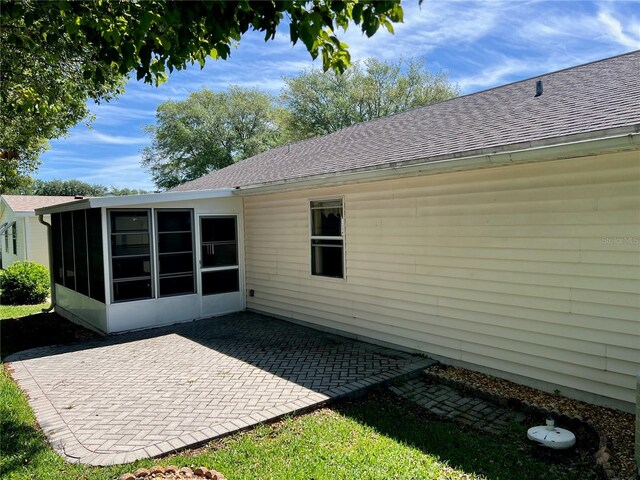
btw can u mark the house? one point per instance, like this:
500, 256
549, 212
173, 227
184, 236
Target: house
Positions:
22, 236
497, 230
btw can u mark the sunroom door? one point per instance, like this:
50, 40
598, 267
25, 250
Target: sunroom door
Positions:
220, 276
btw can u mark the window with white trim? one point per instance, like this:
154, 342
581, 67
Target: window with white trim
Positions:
130, 232
14, 238
219, 254
76, 242
327, 238
175, 252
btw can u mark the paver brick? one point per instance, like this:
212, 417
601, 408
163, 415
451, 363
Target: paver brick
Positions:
446, 402
151, 392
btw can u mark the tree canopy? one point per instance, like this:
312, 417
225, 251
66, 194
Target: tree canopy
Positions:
57, 55
71, 187
320, 102
44, 86
208, 131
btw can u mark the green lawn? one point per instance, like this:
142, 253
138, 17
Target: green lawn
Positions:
378, 437
17, 311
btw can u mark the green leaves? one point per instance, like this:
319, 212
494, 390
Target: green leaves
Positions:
208, 131
54, 56
323, 102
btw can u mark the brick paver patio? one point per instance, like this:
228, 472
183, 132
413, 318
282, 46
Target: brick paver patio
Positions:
447, 402
143, 394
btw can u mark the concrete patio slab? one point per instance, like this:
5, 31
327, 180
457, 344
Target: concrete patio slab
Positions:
144, 394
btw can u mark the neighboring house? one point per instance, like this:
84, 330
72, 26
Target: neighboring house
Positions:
498, 230
22, 236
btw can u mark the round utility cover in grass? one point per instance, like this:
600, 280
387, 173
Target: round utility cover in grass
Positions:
558, 438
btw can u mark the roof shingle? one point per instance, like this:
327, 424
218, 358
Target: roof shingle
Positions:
28, 203
588, 98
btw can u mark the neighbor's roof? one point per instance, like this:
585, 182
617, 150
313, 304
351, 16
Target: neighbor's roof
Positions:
28, 203
590, 98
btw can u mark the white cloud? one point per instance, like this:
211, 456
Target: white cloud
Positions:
427, 27
626, 35
122, 172
108, 114
92, 137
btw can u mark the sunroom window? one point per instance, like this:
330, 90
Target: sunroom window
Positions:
175, 252
77, 251
327, 238
131, 255
219, 255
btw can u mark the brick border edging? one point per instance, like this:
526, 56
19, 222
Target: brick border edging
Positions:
602, 456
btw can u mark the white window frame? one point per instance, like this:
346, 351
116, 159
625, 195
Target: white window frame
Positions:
202, 269
152, 254
156, 240
14, 238
313, 237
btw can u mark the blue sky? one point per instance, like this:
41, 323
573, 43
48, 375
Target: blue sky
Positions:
479, 44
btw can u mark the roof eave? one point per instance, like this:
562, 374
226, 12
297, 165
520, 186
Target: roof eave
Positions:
571, 146
134, 200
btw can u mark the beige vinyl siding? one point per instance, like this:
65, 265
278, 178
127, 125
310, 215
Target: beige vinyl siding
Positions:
38, 241
35, 250
532, 270
8, 257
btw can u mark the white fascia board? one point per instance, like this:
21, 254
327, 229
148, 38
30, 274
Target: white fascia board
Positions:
133, 200
569, 147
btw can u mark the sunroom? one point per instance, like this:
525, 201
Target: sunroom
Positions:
132, 262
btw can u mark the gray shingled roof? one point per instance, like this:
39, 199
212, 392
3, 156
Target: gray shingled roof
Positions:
588, 98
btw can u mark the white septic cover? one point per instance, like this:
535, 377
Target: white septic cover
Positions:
558, 438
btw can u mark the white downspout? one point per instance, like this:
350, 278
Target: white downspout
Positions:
51, 278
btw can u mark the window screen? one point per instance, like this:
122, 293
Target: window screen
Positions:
175, 252
219, 255
130, 255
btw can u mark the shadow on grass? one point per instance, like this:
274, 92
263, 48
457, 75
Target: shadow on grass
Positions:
20, 444
496, 457
39, 330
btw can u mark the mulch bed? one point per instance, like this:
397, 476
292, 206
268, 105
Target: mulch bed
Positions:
39, 330
616, 428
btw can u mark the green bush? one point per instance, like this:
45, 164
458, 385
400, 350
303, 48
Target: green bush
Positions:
24, 283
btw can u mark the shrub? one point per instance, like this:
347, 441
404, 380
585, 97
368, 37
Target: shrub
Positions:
24, 283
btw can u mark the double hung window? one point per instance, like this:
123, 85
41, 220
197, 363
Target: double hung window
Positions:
327, 238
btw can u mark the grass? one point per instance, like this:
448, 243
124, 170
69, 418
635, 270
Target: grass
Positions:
17, 311
377, 437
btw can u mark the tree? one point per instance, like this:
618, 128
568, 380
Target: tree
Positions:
323, 102
126, 191
57, 55
208, 131
68, 188
45, 82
